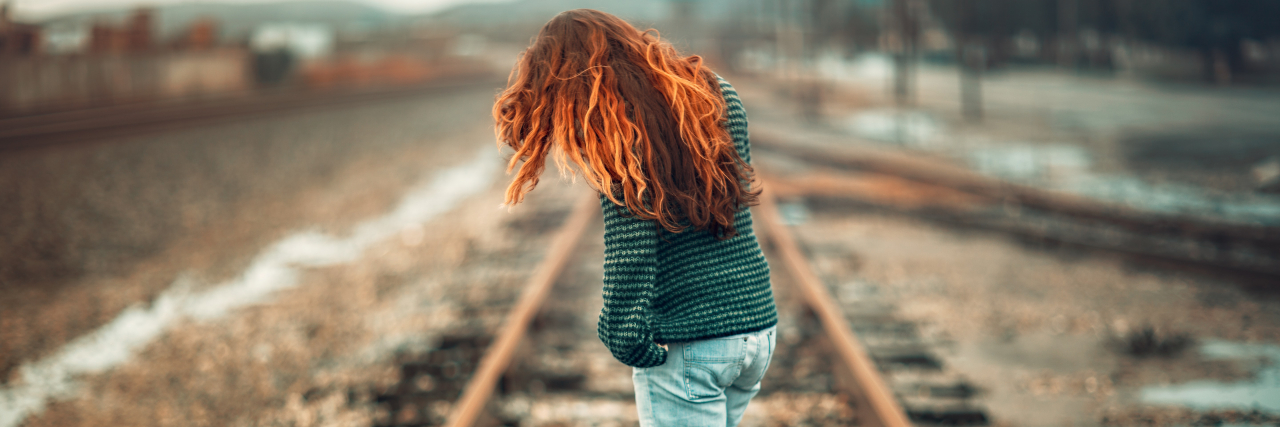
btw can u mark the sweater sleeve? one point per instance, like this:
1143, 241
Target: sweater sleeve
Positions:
630, 267
736, 118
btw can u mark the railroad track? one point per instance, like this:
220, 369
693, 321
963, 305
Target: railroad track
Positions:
869, 366
546, 358
105, 123
956, 197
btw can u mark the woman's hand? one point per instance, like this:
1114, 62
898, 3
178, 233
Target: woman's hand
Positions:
664, 347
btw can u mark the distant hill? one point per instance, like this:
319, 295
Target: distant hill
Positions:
237, 19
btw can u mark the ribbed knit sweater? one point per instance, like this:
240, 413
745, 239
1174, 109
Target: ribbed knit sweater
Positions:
664, 287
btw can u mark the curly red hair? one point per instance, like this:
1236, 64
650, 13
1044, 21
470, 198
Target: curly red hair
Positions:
643, 125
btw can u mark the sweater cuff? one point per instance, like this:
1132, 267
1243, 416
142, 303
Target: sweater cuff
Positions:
647, 357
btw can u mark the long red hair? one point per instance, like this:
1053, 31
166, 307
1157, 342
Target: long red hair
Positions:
643, 125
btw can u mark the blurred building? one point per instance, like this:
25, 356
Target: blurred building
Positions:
397, 56
17, 38
101, 63
132, 56
279, 49
135, 35
199, 36
302, 40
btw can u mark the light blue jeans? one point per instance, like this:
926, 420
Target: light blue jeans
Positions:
704, 383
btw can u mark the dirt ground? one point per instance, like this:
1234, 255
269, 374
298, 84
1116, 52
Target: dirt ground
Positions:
124, 218
317, 354
1042, 331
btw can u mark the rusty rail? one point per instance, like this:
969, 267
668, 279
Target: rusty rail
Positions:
962, 209
103, 123
498, 357
877, 406
874, 398
949, 176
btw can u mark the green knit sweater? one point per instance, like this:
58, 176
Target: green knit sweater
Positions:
664, 287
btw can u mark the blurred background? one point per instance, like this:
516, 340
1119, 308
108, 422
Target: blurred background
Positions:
255, 212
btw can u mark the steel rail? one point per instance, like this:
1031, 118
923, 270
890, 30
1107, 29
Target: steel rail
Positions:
104, 123
877, 406
958, 209
949, 176
498, 357
875, 400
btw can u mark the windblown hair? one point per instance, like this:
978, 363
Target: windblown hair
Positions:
643, 125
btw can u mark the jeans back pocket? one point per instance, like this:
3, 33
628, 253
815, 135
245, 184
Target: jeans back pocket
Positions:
711, 365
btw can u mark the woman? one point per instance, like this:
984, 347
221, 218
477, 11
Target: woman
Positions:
687, 300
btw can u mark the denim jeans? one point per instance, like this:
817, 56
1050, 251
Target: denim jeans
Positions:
704, 383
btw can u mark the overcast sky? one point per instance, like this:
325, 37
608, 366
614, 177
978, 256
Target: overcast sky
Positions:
42, 8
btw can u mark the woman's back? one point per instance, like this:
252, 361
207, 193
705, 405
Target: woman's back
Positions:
689, 285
